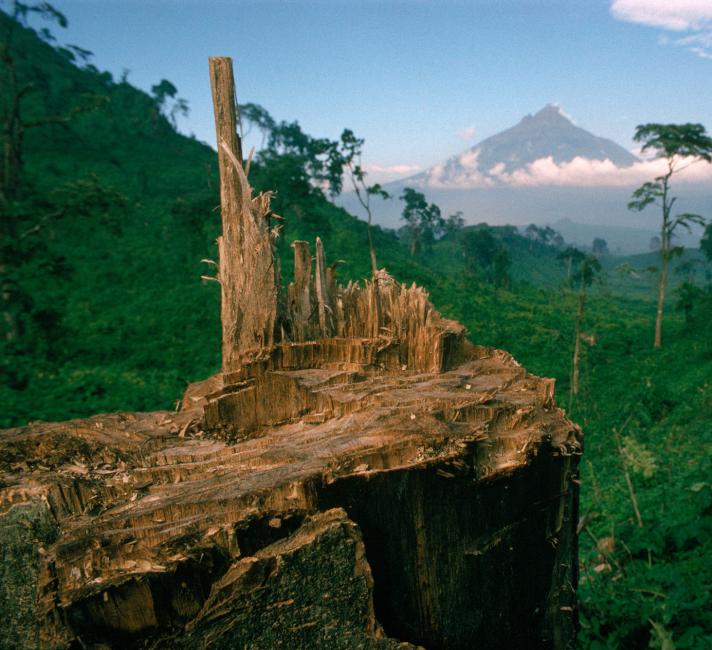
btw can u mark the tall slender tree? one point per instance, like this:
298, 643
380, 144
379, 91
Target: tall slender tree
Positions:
350, 148
586, 268
680, 145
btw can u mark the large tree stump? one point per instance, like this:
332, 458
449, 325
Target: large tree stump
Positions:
368, 479
455, 495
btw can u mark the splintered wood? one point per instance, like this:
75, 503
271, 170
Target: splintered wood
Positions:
359, 476
246, 268
255, 318
148, 529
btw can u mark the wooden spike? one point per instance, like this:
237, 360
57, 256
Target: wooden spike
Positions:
324, 303
300, 301
247, 271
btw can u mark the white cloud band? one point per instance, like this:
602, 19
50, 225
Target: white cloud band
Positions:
579, 172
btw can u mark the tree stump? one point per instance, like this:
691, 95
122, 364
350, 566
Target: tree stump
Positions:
358, 476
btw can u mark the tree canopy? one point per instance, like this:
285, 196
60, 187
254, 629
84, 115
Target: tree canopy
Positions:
670, 140
424, 221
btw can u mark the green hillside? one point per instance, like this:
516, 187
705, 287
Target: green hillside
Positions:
104, 309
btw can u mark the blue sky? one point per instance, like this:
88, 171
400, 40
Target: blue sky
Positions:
420, 81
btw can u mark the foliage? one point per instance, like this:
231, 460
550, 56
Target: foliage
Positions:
677, 143
424, 222
544, 235
671, 140
454, 223
162, 92
706, 243
486, 256
600, 246
350, 151
112, 316
585, 271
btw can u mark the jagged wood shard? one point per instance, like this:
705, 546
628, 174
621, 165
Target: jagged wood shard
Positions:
247, 269
359, 475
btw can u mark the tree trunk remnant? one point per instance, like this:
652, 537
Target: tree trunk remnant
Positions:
247, 269
370, 481
299, 293
325, 497
323, 297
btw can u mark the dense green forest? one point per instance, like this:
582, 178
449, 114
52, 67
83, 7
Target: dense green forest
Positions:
111, 211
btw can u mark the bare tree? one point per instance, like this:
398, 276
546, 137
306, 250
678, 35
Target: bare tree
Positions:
351, 149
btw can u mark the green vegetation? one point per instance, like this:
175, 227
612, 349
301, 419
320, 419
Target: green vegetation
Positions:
112, 211
680, 145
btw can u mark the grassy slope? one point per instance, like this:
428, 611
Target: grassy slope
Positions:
135, 324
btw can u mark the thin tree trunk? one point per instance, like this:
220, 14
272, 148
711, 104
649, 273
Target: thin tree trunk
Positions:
371, 248
577, 348
664, 260
662, 281
414, 236
626, 473
366, 204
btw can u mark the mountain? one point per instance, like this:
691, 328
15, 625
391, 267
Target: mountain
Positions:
548, 134
543, 170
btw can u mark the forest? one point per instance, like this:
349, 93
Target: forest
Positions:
109, 223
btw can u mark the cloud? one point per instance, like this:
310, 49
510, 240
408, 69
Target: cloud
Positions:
467, 134
462, 172
579, 172
391, 169
468, 159
691, 16
385, 173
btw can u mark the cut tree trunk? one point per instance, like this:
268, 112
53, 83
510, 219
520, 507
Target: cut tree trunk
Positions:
351, 504
372, 480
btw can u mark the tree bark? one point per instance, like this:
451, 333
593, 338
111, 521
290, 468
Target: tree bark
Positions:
664, 260
324, 304
577, 348
371, 248
247, 271
662, 281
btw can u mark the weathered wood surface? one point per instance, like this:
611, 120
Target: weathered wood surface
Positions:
246, 267
462, 483
358, 476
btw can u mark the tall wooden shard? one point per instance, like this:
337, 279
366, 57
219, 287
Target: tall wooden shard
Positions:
246, 268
